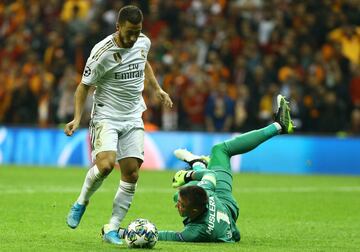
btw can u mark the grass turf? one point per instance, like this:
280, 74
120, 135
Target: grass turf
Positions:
277, 212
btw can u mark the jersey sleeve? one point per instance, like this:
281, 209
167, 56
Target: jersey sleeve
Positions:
147, 43
93, 71
207, 179
191, 233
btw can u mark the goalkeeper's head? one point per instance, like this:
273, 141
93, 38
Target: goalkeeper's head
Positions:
192, 201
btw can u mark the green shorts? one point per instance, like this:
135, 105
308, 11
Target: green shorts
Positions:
223, 191
220, 164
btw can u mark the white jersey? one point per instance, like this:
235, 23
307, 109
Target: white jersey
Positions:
118, 75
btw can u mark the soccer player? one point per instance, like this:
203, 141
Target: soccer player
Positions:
117, 67
205, 197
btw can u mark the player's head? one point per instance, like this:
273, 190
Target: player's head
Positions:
192, 201
129, 25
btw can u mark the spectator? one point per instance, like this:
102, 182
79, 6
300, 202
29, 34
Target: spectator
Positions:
23, 108
219, 110
308, 49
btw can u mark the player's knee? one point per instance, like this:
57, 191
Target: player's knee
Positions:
220, 147
105, 166
131, 174
133, 177
130, 169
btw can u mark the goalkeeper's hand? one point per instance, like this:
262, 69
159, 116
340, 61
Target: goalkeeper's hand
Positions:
181, 178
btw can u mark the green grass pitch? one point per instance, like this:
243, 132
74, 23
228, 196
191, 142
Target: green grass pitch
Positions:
277, 212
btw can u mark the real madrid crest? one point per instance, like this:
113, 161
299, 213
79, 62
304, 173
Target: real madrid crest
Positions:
117, 57
143, 54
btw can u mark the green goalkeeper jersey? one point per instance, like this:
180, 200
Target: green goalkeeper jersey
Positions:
217, 224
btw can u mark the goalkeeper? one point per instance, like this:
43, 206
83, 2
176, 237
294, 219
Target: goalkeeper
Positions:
205, 197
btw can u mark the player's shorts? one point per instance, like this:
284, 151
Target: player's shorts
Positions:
220, 164
223, 191
126, 138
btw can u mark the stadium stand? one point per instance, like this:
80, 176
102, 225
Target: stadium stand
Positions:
221, 61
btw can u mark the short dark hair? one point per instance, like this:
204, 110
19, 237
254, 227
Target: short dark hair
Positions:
196, 196
130, 13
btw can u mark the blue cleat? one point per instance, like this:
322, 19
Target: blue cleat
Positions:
110, 236
75, 214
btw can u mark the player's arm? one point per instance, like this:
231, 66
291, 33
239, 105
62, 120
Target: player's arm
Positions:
93, 71
189, 234
81, 93
206, 177
151, 79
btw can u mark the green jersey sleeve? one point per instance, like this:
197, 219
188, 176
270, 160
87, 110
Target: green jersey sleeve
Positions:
191, 233
207, 179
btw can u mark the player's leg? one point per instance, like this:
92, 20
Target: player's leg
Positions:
195, 162
104, 153
221, 153
130, 156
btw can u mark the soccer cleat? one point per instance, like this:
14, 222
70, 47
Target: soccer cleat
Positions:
282, 115
110, 236
121, 232
75, 214
190, 158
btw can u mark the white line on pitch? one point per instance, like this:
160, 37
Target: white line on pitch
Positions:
33, 190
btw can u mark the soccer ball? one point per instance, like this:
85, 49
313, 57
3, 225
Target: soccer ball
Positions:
141, 233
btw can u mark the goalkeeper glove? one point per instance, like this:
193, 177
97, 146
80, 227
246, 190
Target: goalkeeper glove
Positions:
181, 177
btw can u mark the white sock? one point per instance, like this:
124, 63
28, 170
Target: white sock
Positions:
93, 181
198, 166
122, 202
278, 126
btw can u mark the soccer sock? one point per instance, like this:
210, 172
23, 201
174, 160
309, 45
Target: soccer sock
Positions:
250, 140
197, 166
93, 181
222, 152
122, 202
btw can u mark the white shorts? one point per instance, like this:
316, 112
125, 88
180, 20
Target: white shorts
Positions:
126, 138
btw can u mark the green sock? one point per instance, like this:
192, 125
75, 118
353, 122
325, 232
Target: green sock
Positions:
222, 152
198, 166
250, 140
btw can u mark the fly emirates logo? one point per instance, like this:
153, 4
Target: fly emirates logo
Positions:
133, 72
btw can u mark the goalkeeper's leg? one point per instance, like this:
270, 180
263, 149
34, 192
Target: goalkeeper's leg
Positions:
220, 161
222, 152
195, 162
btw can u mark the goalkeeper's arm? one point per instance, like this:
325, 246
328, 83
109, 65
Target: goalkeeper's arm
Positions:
182, 177
184, 236
170, 236
191, 233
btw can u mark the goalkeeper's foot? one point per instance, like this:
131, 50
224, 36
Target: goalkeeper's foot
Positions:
190, 158
76, 212
110, 236
282, 115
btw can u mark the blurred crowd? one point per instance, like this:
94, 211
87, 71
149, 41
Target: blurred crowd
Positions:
221, 61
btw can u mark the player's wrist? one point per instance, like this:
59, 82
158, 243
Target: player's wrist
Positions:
77, 119
188, 176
